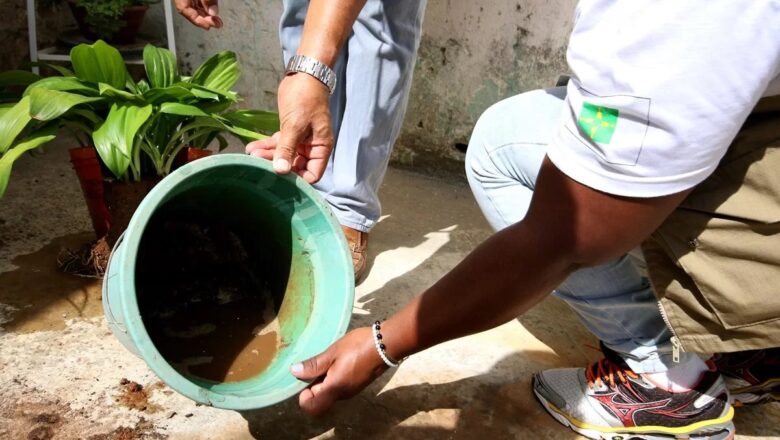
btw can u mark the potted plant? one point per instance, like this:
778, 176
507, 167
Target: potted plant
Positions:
117, 21
138, 129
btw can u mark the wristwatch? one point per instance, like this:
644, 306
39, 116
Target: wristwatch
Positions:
313, 67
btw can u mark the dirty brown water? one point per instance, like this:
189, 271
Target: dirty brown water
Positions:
204, 300
227, 342
37, 296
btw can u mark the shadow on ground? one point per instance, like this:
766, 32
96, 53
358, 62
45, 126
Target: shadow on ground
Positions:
498, 403
485, 406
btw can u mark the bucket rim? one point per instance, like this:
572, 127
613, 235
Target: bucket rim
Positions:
137, 330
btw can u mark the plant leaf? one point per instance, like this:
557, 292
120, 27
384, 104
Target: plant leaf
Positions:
7, 159
12, 122
64, 71
142, 86
63, 83
46, 104
132, 86
160, 65
202, 93
87, 114
216, 95
243, 133
223, 143
113, 92
220, 72
115, 138
255, 120
5, 107
17, 78
214, 121
173, 93
215, 107
175, 108
99, 63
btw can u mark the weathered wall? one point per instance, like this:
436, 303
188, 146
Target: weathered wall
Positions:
251, 30
472, 54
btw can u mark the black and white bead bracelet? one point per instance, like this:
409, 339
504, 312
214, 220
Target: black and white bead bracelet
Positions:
380, 347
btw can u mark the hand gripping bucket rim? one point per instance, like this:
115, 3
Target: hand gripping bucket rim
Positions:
123, 314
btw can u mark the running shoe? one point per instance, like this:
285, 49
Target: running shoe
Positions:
751, 376
609, 401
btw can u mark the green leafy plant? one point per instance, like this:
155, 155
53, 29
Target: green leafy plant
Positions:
104, 16
138, 128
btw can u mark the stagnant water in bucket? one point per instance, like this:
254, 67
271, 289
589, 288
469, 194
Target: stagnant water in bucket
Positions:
205, 300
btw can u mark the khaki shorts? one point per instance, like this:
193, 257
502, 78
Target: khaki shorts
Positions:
715, 261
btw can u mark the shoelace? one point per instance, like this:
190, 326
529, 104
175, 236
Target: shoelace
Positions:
604, 370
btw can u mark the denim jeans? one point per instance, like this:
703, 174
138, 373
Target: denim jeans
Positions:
614, 300
374, 75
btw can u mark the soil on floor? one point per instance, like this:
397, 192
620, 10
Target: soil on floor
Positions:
135, 396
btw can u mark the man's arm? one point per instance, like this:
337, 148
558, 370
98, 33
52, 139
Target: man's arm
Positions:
568, 226
305, 139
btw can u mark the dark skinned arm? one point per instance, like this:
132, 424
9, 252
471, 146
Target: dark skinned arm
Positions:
568, 226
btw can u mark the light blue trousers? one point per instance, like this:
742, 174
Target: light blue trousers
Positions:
614, 301
374, 75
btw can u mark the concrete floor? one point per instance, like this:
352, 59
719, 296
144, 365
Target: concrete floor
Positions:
60, 368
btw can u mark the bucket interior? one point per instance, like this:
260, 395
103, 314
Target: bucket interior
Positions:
226, 279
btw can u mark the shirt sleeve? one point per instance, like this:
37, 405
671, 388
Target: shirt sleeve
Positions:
660, 88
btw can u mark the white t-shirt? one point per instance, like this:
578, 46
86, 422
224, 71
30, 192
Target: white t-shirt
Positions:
660, 89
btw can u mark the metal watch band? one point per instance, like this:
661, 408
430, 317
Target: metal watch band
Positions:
309, 65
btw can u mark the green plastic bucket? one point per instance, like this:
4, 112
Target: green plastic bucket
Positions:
318, 296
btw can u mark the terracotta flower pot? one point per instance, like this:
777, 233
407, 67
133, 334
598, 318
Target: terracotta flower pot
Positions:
122, 199
189, 154
132, 18
87, 166
110, 203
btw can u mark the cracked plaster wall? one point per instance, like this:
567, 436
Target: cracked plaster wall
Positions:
472, 55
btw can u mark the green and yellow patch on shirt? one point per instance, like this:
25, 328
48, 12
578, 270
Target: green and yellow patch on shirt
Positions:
598, 122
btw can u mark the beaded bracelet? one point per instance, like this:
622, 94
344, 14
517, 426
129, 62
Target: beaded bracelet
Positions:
380, 347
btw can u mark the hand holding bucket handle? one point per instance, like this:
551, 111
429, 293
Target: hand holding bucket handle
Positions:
305, 141
340, 372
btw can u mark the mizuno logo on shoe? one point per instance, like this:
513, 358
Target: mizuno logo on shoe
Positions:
625, 410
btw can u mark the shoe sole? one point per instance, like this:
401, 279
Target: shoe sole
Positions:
765, 392
717, 429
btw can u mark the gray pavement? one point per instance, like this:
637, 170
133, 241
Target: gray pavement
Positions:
60, 368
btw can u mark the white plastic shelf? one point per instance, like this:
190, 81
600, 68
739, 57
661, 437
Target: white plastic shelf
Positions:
57, 55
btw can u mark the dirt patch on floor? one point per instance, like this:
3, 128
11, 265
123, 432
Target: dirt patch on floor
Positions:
37, 296
38, 417
135, 396
32, 419
143, 430
46, 423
